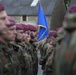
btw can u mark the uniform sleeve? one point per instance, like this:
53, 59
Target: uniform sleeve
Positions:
49, 53
49, 48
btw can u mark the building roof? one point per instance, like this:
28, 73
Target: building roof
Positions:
22, 7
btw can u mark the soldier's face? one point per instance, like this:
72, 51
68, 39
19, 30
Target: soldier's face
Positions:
26, 38
10, 33
3, 18
13, 32
53, 39
20, 34
33, 33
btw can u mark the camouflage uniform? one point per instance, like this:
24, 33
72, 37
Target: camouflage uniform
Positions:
40, 47
48, 60
49, 49
43, 49
67, 58
33, 49
27, 65
33, 53
9, 60
35, 67
60, 35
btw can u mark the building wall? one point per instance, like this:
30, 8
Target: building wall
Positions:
18, 18
30, 20
33, 19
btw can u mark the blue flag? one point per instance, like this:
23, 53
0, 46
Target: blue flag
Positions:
42, 23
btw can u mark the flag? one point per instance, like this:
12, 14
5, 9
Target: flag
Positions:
42, 24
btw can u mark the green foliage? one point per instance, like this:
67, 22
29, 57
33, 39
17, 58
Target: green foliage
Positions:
67, 2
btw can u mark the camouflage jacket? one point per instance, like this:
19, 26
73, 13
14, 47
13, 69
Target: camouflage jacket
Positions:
47, 59
9, 60
48, 68
35, 58
66, 64
26, 62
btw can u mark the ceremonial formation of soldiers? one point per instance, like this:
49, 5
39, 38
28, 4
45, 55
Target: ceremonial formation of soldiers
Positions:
19, 46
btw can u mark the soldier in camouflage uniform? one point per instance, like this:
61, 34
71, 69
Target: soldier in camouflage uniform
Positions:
18, 51
60, 35
7, 64
27, 68
32, 47
67, 58
48, 57
43, 51
45, 47
9, 57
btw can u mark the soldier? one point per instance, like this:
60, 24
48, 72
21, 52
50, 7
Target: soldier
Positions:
3, 27
9, 57
51, 37
26, 40
33, 45
7, 66
69, 27
45, 48
16, 49
49, 49
67, 63
27, 68
60, 35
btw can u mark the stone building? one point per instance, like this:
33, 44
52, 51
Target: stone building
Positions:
27, 10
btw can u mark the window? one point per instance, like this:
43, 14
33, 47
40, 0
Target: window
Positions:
24, 17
